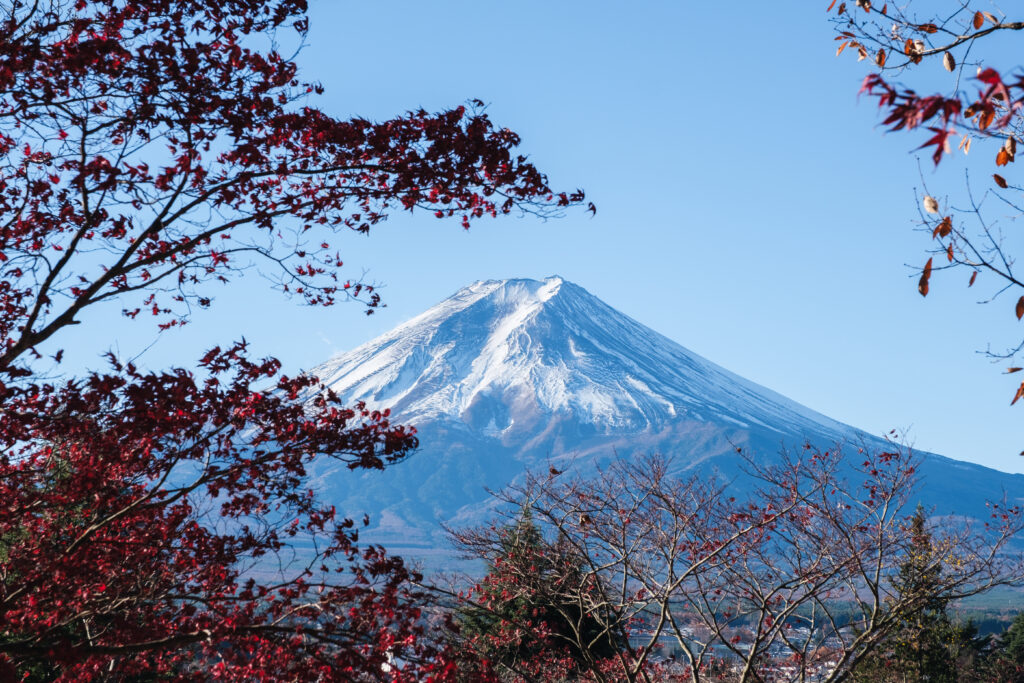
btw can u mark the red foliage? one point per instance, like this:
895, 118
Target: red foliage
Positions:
908, 110
159, 523
152, 146
953, 35
137, 512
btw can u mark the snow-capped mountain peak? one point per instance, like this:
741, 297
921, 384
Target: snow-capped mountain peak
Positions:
501, 347
506, 375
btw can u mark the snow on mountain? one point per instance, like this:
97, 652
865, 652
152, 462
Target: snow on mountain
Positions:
510, 374
553, 343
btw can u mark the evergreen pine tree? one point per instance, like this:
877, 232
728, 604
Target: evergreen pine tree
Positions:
1004, 662
927, 646
528, 605
1012, 642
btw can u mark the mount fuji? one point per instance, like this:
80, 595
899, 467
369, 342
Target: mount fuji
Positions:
506, 375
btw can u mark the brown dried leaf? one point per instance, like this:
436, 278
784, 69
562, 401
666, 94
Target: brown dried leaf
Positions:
991, 17
1002, 158
974, 276
985, 119
979, 19
949, 252
943, 228
948, 61
880, 58
842, 46
1000, 181
931, 205
922, 284
1020, 308
1012, 370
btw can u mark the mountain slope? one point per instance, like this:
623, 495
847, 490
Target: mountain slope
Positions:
510, 374
564, 348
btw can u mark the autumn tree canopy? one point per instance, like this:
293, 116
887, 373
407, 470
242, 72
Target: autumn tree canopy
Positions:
159, 523
745, 587
977, 109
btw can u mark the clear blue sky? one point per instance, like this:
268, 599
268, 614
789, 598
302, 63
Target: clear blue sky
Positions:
749, 207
